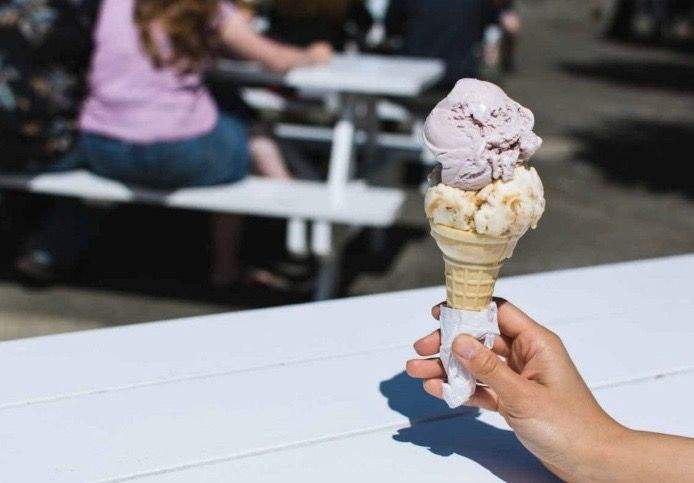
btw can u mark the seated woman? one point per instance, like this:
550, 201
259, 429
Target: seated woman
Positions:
148, 118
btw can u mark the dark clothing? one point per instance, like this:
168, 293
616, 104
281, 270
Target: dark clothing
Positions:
303, 30
450, 30
45, 47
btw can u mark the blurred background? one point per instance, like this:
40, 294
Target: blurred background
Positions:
611, 84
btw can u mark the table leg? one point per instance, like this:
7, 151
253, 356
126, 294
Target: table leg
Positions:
371, 150
328, 278
372, 163
338, 172
342, 150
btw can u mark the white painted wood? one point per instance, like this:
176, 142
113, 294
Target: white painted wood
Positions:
297, 237
369, 74
243, 386
406, 142
606, 298
351, 73
362, 205
469, 448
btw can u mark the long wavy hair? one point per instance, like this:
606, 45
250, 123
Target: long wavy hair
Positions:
188, 26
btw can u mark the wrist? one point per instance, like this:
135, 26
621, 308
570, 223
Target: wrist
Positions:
608, 457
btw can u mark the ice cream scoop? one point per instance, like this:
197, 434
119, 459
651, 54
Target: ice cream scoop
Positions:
479, 134
500, 209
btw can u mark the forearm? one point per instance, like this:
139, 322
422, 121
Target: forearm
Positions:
642, 456
243, 41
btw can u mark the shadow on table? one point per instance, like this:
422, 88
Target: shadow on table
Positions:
447, 433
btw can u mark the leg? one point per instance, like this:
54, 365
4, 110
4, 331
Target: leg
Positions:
269, 162
267, 158
226, 235
63, 237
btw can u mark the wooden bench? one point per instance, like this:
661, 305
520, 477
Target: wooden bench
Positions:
301, 202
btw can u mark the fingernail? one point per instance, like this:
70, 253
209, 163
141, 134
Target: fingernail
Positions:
465, 346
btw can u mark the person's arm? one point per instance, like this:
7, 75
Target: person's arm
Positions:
532, 382
643, 456
238, 35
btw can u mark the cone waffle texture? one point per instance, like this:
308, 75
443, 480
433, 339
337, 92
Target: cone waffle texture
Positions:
473, 263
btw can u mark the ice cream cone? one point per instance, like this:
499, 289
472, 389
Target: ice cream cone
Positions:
473, 263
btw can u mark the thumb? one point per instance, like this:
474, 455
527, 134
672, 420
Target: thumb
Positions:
486, 367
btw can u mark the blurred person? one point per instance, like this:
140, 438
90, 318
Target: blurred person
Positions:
502, 26
149, 120
44, 50
334, 21
529, 378
450, 30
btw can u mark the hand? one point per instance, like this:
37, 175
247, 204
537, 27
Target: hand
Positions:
511, 22
535, 386
319, 53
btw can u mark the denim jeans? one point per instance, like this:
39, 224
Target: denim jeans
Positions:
218, 157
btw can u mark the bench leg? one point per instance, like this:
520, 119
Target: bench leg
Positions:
322, 239
328, 278
297, 237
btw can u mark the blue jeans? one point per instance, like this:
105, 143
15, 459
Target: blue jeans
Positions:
216, 158
219, 157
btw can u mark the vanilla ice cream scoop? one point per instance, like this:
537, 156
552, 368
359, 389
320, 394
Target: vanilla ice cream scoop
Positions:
479, 135
500, 209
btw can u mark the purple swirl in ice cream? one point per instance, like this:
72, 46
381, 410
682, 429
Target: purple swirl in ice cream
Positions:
479, 134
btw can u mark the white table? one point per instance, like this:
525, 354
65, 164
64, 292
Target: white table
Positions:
356, 78
316, 393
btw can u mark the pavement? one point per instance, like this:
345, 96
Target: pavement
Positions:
609, 113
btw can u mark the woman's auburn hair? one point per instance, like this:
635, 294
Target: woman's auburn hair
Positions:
188, 26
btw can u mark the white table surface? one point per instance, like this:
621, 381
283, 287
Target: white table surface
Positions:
350, 73
316, 392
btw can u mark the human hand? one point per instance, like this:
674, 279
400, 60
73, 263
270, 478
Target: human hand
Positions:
319, 53
511, 22
532, 382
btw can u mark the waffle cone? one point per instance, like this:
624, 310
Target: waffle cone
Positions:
473, 263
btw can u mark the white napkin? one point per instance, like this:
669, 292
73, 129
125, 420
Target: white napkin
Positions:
483, 326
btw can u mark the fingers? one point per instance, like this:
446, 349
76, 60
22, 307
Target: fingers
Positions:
512, 320
434, 387
425, 368
431, 344
484, 398
428, 345
486, 366
436, 310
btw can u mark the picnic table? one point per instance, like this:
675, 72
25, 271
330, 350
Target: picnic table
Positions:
317, 392
353, 78
357, 79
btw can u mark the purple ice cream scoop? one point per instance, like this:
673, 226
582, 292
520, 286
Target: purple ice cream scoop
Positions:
479, 134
